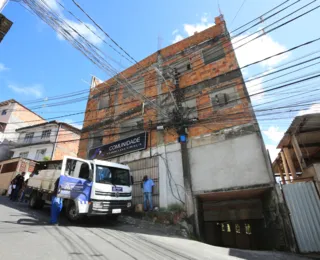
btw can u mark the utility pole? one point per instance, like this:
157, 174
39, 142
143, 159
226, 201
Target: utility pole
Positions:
180, 124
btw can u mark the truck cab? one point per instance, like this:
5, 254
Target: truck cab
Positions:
94, 187
88, 187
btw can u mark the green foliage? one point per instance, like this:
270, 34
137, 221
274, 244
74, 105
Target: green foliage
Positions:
46, 158
176, 207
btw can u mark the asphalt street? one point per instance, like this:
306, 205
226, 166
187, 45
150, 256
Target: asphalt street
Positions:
25, 234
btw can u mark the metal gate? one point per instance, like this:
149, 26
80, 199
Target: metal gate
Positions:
304, 206
140, 168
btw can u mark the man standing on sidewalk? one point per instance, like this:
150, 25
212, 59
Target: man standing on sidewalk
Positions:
147, 193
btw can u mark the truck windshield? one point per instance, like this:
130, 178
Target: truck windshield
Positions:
115, 176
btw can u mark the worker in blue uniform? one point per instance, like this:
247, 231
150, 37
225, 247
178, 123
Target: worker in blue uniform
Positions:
56, 204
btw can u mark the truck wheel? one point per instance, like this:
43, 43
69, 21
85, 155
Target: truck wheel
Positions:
71, 212
35, 202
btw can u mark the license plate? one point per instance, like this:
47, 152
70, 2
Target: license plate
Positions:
115, 211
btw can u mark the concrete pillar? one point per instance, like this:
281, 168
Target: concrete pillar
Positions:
298, 153
285, 166
290, 162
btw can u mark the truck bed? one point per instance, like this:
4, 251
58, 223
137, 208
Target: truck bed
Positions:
44, 181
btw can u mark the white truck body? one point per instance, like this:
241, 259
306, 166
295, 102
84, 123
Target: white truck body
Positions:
90, 187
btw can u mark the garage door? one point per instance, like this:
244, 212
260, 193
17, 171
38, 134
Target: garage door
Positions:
140, 168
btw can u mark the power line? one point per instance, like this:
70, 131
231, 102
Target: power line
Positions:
237, 12
104, 31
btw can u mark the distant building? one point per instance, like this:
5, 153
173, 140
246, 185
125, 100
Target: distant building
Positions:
13, 115
299, 158
9, 169
47, 141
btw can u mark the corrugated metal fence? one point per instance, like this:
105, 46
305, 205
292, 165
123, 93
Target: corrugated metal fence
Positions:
304, 206
140, 168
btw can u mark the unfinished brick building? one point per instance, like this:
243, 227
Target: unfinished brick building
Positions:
228, 160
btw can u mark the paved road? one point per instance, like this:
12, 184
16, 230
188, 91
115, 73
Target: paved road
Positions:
25, 235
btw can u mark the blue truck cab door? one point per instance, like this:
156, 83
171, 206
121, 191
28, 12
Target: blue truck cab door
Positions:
76, 182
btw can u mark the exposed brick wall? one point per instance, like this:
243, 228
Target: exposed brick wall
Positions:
198, 83
26, 115
66, 148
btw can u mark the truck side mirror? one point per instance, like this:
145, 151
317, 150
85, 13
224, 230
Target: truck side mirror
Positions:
132, 181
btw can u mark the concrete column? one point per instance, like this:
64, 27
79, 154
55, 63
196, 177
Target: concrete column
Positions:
281, 173
285, 166
290, 162
298, 153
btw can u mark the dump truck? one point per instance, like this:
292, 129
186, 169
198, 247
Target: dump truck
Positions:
88, 187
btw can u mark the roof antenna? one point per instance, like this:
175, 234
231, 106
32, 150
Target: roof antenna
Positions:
219, 8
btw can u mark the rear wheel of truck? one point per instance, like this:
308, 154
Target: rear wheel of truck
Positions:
35, 202
72, 213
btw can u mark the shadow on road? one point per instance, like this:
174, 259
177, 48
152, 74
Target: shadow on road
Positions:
30, 217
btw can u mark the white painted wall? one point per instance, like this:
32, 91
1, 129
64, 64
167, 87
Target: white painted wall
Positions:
216, 163
38, 133
228, 164
32, 150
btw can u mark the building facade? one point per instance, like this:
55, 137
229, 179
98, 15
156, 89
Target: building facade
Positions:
13, 115
222, 173
9, 169
47, 141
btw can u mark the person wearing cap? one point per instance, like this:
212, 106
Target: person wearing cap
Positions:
147, 193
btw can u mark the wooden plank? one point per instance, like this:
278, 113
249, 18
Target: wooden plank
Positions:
298, 153
285, 166
290, 162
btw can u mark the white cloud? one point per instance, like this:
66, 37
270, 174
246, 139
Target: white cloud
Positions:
253, 87
190, 29
3, 67
274, 134
35, 90
175, 31
81, 28
258, 49
312, 110
71, 122
178, 38
273, 151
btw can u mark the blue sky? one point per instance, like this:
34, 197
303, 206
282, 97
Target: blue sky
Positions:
36, 63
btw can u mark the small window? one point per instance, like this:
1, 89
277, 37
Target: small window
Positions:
228, 228
237, 227
45, 134
248, 229
221, 99
40, 154
213, 54
28, 138
24, 154
223, 229
225, 98
103, 102
4, 112
96, 139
